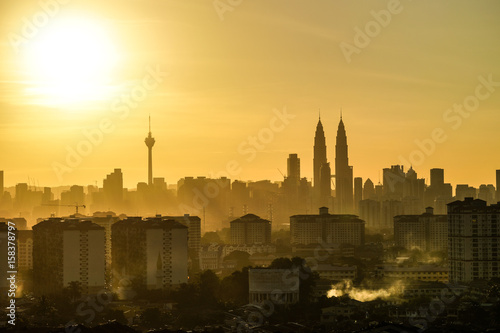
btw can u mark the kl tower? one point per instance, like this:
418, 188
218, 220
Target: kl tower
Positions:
150, 142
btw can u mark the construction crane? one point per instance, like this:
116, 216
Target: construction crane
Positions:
76, 205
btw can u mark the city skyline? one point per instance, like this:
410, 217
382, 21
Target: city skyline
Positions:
212, 93
323, 151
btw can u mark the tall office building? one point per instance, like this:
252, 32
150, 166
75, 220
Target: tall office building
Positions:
1, 184
154, 252
393, 182
498, 185
437, 177
322, 172
293, 167
113, 189
473, 240
343, 174
369, 211
327, 228
463, 191
150, 142
325, 189
368, 190
250, 229
66, 251
426, 232
358, 193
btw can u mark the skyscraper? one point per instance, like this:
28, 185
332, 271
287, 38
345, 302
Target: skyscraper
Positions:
358, 193
319, 156
150, 142
113, 189
293, 168
1, 182
343, 173
498, 185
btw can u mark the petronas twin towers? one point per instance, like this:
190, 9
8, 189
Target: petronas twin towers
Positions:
343, 202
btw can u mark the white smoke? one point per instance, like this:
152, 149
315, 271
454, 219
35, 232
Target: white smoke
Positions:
364, 295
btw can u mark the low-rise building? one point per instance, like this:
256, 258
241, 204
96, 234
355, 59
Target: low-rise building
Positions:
280, 286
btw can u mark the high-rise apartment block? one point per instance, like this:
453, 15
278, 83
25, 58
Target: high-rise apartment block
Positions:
473, 240
153, 252
66, 251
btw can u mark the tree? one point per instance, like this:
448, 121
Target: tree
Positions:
210, 237
241, 257
151, 318
209, 288
73, 291
234, 288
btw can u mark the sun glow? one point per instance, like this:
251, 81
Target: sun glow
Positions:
71, 62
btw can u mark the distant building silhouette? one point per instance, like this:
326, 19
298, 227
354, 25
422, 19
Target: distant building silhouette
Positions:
369, 211
205, 197
473, 240
393, 182
463, 191
487, 193
343, 174
75, 195
439, 193
358, 193
150, 142
368, 190
498, 185
1, 184
66, 251
113, 190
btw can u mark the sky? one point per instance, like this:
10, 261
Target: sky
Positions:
233, 87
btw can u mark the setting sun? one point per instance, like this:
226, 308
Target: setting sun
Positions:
71, 62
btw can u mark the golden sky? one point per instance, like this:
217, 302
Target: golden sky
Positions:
228, 67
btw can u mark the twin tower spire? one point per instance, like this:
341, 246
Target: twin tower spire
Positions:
343, 203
